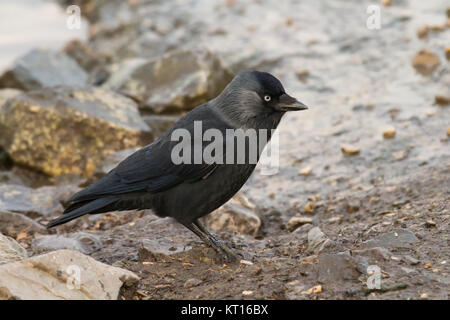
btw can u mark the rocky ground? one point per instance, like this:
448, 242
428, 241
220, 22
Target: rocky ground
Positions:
362, 190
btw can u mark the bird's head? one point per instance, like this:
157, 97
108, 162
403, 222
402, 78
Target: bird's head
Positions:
254, 96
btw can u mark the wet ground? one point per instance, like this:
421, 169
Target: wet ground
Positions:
359, 84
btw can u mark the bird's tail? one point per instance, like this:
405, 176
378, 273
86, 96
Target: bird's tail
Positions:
80, 209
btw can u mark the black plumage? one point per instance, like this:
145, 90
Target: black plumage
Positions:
149, 179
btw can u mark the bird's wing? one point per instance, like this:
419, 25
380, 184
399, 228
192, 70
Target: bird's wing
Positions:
151, 168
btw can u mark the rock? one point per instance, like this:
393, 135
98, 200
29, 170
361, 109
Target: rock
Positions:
69, 130
191, 283
160, 247
305, 171
410, 260
375, 255
425, 62
177, 81
398, 238
41, 202
448, 131
9, 177
81, 241
400, 154
340, 267
159, 124
296, 222
62, 274
309, 207
422, 32
317, 240
447, 53
441, 100
350, 149
10, 251
302, 75
237, 215
112, 160
11, 223
43, 68
6, 94
389, 133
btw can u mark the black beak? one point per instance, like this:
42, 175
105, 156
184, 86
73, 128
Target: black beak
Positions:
288, 103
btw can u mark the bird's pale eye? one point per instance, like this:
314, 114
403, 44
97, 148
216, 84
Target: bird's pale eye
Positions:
267, 98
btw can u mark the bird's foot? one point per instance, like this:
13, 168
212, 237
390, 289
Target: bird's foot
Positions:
225, 252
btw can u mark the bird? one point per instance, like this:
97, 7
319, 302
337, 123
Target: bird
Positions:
150, 179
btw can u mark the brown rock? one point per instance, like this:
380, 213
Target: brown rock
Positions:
350, 149
295, 222
69, 129
441, 100
425, 62
389, 133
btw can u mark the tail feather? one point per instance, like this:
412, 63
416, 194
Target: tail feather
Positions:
77, 210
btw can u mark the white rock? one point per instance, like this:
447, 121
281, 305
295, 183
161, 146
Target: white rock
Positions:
62, 274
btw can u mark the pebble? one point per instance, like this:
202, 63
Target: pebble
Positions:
305, 171
350, 150
295, 222
425, 62
389, 133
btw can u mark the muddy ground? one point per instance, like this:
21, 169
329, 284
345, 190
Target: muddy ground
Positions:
386, 205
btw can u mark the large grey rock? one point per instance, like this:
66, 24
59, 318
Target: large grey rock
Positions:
237, 215
81, 241
69, 129
62, 274
43, 68
40, 202
398, 238
179, 80
10, 250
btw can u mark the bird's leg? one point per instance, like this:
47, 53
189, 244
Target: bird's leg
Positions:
197, 228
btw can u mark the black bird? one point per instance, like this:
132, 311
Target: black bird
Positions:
149, 178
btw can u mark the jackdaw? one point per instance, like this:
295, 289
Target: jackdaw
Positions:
187, 191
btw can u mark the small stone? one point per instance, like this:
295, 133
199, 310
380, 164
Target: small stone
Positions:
303, 75
422, 32
305, 171
448, 131
389, 133
447, 53
386, 3
400, 155
430, 223
317, 240
350, 149
313, 290
246, 262
295, 222
441, 100
247, 293
425, 62
81, 241
191, 283
410, 260
309, 207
